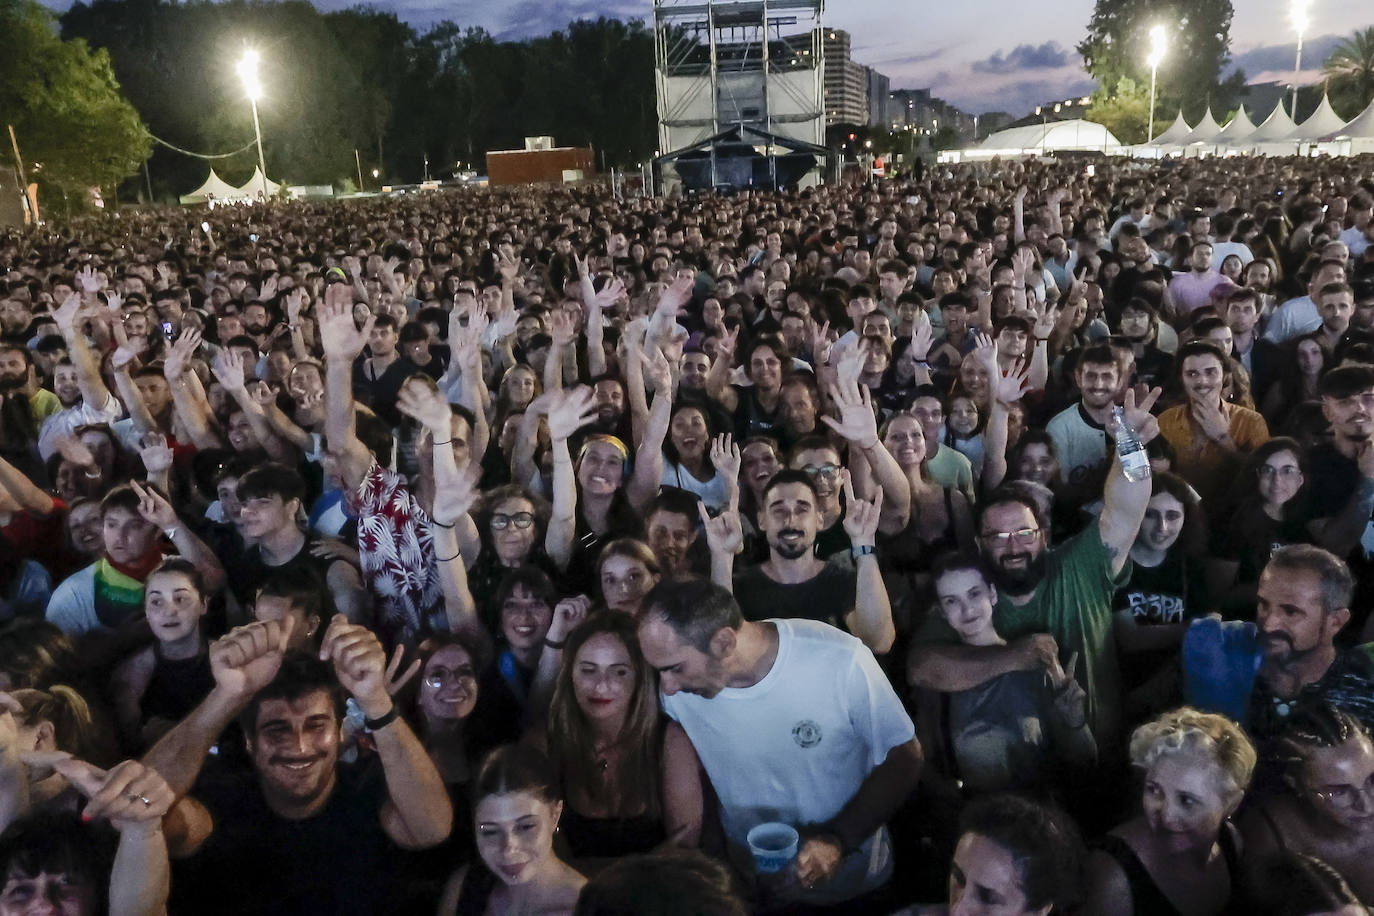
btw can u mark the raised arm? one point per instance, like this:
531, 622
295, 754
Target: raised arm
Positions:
187, 395
129, 393
853, 403
718, 378
871, 619
94, 394
24, 492
467, 350
569, 411
342, 340
1124, 501
648, 472
417, 813
451, 505
156, 510
725, 538
1018, 206
229, 370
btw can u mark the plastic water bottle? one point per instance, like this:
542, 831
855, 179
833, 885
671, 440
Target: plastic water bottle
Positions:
1134, 462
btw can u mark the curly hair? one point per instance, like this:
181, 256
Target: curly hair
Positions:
1188, 731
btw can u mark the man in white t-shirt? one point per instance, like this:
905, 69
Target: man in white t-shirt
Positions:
1079, 431
794, 722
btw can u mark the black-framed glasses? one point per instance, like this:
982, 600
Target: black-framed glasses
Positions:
1287, 471
824, 471
500, 522
1022, 537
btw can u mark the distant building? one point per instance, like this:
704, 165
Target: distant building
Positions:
879, 88
918, 110
846, 83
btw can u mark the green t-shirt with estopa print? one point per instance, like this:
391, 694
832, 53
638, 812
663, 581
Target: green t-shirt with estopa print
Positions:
1073, 603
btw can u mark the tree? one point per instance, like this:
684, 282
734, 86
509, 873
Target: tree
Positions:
75, 128
1126, 113
1199, 40
1350, 71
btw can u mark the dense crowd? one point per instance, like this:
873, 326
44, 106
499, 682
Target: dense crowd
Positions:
1005, 531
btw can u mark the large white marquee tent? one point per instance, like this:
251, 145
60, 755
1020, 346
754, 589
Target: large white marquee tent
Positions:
1323, 132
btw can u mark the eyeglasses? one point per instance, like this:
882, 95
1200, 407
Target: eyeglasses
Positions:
520, 520
438, 677
825, 471
1288, 470
1344, 797
1023, 537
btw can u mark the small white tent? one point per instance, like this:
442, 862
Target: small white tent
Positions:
214, 189
1174, 133
1205, 131
1073, 134
1239, 126
1323, 121
1354, 138
252, 188
1275, 127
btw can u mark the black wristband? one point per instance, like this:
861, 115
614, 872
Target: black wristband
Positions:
554, 645
439, 523
376, 725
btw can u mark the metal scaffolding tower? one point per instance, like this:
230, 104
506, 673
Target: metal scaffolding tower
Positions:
752, 63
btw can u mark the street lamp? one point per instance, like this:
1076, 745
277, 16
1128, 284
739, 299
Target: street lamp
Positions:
248, 72
1300, 24
1158, 39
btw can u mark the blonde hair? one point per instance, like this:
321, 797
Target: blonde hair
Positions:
74, 727
1188, 731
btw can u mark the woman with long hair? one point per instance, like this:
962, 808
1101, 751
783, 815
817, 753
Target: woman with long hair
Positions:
515, 813
625, 571
1269, 512
629, 777
1305, 359
511, 525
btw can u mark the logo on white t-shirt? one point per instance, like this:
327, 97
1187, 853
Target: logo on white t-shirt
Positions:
806, 733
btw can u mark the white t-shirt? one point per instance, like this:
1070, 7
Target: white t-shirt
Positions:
712, 492
1083, 449
796, 746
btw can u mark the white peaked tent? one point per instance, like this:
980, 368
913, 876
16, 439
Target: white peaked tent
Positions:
1323, 121
215, 188
1356, 137
1237, 127
1175, 132
253, 187
1275, 127
1205, 131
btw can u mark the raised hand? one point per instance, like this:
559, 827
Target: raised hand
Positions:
359, 663
850, 366
395, 677
569, 410
427, 406
567, 614
67, 313
861, 516
922, 337
74, 451
724, 533
455, 501
561, 328
820, 342
228, 368
155, 453
657, 372
1021, 263
674, 299
178, 355
89, 280
725, 456
114, 302
153, 506
856, 422
985, 353
269, 288
1045, 322
1011, 388
129, 796
507, 265
245, 659
610, 294
1137, 413
295, 301
725, 347
339, 334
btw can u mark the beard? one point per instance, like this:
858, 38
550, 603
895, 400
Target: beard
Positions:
1022, 580
791, 550
10, 383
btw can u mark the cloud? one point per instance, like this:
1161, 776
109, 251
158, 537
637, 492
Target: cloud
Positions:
1048, 56
1270, 59
902, 60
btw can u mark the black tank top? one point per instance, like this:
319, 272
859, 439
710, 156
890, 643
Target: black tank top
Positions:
609, 837
478, 886
177, 686
1146, 897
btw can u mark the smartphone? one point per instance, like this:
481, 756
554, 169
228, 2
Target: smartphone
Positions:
253, 237
167, 331
205, 227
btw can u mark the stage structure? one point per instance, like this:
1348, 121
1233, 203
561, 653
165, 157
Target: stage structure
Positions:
755, 64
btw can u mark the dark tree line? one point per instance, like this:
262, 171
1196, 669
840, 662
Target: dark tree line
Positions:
362, 79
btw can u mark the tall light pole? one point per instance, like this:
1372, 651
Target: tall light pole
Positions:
248, 72
1158, 42
1300, 24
